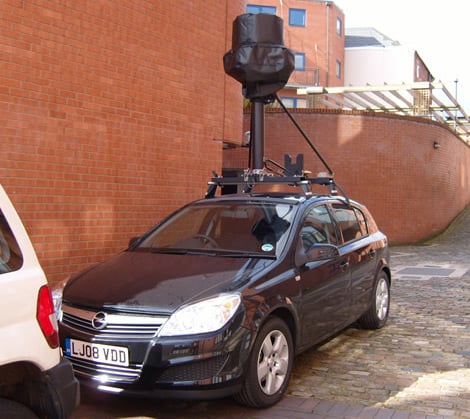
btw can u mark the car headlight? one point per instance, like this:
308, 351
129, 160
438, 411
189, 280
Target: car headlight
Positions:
202, 317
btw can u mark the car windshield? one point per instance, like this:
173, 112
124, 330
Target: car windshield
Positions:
232, 229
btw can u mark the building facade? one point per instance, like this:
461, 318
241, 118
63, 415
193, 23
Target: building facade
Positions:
373, 58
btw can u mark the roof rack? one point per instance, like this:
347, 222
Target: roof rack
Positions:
257, 43
253, 177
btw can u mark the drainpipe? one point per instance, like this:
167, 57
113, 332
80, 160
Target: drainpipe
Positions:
328, 6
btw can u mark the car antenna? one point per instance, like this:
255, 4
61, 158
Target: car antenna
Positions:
261, 62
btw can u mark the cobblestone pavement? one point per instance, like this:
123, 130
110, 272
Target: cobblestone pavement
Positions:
418, 366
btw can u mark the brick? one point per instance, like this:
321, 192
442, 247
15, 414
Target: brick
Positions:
386, 162
109, 112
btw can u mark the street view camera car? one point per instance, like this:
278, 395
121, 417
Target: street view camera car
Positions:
219, 297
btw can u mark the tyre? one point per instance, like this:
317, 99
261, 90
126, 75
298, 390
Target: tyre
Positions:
14, 410
377, 315
269, 366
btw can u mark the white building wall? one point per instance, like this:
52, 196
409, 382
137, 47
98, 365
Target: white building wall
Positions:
378, 65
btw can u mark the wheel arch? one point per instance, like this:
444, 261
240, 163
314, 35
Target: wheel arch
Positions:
388, 272
287, 317
25, 383
16, 381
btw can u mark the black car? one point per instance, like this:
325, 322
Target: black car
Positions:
218, 298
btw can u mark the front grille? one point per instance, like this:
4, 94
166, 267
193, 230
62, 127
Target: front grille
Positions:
112, 325
194, 371
103, 326
106, 373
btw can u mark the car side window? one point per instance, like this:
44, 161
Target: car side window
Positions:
362, 222
318, 227
351, 222
11, 258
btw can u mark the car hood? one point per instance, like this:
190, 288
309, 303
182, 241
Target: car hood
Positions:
154, 282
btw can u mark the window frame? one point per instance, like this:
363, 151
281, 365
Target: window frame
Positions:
303, 57
293, 17
362, 229
270, 10
295, 101
362, 220
339, 26
339, 69
13, 259
334, 234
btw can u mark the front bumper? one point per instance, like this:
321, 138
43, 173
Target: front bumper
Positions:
194, 367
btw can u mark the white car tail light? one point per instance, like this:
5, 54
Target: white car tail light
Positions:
46, 317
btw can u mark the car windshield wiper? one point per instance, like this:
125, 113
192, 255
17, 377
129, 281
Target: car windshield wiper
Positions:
209, 252
244, 254
179, 251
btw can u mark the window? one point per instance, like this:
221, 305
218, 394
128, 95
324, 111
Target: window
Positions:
338, 69
255, 9
348, 222
294, 102
11, 258
236, 227
297, 17
318, 228
299, 61
339, 26
362, 222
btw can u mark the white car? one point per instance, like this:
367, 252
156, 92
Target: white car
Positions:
35, 380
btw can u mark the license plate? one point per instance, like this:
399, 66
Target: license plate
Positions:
108, 354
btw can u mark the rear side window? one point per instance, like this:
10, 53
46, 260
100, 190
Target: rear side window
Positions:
351, 222
362, 222
11, 258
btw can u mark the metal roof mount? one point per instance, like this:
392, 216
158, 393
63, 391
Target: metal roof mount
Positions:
262, 64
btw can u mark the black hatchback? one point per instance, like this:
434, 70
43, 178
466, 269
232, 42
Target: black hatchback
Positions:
218, 298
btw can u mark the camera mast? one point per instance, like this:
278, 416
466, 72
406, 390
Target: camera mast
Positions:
261, 62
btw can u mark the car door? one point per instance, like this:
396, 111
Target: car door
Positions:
359, 248
324, 285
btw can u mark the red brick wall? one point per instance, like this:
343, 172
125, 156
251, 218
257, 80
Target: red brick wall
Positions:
387, 162
111, 115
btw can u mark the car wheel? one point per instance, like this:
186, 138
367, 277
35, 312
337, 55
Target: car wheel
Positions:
14, 410
377, 315
269, 366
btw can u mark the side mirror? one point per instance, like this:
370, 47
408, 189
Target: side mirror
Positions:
316, 252
322, 252
132, 240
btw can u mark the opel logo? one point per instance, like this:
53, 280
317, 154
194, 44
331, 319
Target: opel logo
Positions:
99, 321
